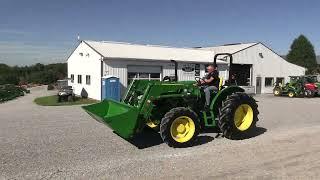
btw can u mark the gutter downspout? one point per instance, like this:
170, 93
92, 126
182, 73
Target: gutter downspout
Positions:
101, 78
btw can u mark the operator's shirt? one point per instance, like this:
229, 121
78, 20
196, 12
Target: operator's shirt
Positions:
216, 80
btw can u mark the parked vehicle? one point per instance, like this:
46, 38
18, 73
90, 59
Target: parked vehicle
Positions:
299, 86
314, 79
65, 92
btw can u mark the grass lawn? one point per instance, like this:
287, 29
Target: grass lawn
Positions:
53, 101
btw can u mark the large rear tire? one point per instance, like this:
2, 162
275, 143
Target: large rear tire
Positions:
179, 127
238, 116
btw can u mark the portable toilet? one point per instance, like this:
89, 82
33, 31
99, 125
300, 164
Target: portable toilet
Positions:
110, 88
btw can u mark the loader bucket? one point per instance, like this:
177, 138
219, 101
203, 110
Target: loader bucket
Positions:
120, 117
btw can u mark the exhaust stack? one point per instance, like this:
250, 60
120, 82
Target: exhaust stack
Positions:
175, 70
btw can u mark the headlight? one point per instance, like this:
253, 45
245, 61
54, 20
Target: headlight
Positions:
62, 93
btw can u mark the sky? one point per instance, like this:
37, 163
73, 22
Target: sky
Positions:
45, 31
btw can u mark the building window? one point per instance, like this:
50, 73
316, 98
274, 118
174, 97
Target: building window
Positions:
261, 55
81, 54
280, 80
143, 76
268, 82
88, 79
79, 79
72, 78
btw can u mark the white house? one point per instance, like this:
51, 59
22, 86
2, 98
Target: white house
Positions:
256, 65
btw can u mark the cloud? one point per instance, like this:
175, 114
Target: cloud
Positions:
23, 53
12, 32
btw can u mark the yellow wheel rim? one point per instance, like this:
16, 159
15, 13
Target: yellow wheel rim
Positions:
290, 94
276, 92
151, 124
243, 117
182, 129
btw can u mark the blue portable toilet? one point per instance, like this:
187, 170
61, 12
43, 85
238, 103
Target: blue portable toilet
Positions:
110, 88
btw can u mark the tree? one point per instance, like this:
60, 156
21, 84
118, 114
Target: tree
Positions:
38, 73
302, 53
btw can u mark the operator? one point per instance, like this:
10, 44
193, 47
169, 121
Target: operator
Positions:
210, 82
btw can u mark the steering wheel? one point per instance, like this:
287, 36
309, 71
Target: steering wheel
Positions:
198, 80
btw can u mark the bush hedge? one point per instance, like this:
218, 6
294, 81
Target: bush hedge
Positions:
50, 87
9, 92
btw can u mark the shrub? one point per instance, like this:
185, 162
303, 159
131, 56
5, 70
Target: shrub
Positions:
9, 92
50, 87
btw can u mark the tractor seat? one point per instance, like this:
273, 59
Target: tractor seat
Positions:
220, 86
220, 83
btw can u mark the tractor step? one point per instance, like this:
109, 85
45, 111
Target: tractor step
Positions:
209, 119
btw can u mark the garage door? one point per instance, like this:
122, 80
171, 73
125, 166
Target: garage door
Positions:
144, 72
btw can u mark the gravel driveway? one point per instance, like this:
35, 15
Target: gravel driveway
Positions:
38, 142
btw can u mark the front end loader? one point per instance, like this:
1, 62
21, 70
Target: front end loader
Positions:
176, 109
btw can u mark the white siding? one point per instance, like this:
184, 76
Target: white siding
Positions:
88, 64
271, 65
118, 68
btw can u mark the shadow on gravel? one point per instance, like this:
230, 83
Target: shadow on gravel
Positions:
146, 139
201, 139
257, 132
149, 137
253, 133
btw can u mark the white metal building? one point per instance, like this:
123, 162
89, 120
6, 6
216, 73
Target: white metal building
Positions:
256, 65
93, 60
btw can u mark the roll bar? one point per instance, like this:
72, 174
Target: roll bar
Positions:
224, 54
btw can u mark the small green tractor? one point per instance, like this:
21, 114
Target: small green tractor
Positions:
176, 109
292, 89
299, 86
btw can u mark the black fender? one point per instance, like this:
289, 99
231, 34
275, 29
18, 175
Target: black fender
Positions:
222, 95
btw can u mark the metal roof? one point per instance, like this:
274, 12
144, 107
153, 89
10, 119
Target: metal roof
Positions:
232, 48
109, 49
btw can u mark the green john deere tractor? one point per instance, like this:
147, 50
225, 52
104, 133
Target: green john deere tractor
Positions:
299, 86
292, 89
176, 109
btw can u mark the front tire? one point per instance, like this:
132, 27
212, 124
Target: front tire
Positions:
277, 92
291, 94
238, 116
179, 127
309, 93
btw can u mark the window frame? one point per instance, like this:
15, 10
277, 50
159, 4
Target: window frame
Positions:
72, 78
265, 81
79, 79
88, 80
137, 75
283, 79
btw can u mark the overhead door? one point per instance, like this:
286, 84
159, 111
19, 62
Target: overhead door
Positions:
144, 72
